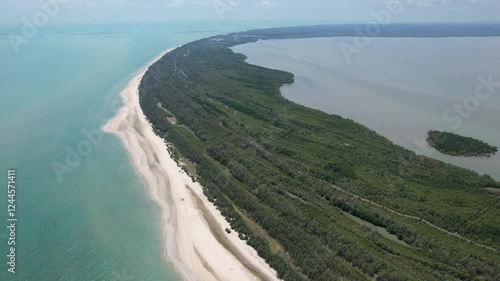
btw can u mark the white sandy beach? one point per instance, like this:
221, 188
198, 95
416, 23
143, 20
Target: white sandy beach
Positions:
195, 242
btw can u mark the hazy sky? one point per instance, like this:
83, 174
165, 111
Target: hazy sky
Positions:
13, 11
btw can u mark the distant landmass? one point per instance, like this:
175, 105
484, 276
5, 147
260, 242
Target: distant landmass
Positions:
379, 30
318, 196
456, 145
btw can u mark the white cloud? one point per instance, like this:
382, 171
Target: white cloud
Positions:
421, 3
266, 3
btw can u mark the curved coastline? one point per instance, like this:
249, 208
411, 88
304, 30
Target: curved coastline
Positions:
194, 240
413, 139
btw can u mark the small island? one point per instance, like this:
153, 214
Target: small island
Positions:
456, 145
284, 176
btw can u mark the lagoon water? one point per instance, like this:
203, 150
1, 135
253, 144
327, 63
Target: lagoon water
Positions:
399, 87
97, 222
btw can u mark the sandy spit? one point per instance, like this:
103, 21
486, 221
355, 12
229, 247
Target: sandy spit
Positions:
195, 242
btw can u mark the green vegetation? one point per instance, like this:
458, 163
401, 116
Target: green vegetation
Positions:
284, 176
456, 145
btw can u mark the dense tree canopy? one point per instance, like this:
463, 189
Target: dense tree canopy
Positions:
456, 145
285, 176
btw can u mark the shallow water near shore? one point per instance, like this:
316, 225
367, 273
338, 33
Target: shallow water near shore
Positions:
90, 218
399, 87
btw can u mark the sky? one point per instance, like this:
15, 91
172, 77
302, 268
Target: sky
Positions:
331, 11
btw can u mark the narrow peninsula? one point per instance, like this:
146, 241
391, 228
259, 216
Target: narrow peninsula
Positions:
295, 182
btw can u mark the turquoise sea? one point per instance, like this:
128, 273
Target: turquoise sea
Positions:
83, 213
95, 221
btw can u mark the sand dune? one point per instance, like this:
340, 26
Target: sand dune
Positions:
195, 242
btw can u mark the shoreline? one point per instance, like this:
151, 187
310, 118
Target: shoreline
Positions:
194, 239
408, 139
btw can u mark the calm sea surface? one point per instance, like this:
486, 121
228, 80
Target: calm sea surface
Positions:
399, 87
95, 221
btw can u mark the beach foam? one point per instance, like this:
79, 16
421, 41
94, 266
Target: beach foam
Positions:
195, 242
